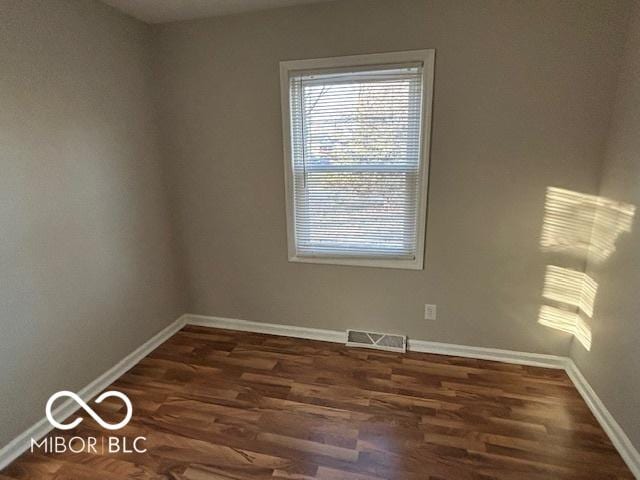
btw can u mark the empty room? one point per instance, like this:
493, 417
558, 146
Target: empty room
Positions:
319, 239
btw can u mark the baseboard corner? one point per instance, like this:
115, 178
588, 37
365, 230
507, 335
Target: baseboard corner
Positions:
42, 427
616, 434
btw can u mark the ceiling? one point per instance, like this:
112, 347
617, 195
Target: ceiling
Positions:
160, 11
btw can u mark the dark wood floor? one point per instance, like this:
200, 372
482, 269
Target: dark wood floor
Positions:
216, 404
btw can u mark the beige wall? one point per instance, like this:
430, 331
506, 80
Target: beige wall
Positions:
522, 101
611, 366
86, 257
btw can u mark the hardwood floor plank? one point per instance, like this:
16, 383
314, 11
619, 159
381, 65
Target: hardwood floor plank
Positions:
223, 405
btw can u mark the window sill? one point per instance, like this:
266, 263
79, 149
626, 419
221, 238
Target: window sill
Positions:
415, 264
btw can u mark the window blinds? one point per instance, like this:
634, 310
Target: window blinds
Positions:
356, 150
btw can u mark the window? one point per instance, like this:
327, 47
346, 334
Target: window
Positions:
356, 135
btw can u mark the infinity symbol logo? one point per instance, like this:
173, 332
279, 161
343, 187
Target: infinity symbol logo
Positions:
89, 410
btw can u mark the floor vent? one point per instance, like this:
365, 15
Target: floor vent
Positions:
380, 341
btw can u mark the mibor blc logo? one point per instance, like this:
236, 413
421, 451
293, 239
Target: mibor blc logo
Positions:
89, 410
90, 444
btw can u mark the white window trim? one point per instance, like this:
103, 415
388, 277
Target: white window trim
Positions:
427, 58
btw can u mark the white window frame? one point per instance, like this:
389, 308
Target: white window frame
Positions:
427, 59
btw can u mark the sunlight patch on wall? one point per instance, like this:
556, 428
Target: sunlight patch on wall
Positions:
583, 333
611, 219
583, 225
566, 321
570, 287
587, 228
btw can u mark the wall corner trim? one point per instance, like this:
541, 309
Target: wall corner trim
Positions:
22, 442
616, 434
627, 451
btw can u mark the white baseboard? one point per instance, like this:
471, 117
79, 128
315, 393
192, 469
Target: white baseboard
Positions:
269, 328
21, 444
620, 440
509, 356
483, 353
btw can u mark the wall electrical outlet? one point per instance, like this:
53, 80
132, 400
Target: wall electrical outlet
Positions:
429, 312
